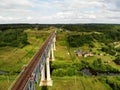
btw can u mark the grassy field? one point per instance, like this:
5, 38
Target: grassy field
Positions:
6, 81
66, 55
13, 59
76, 83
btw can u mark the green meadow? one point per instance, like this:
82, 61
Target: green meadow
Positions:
66, 73
14, 59
66, 69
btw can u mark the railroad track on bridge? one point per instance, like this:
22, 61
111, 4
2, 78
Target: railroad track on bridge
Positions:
26, 74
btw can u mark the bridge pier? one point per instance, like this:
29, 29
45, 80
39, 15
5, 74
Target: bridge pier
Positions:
52, 58
45, 77
49, 81
42, 76
45, 72
54, 40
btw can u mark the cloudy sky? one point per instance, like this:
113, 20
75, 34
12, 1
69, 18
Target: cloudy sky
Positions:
60, 11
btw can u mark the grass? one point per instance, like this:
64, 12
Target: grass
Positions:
63, 54
12, 55
12, 59
76, 83
6, 81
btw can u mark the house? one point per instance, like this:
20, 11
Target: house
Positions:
79, 53
88, 54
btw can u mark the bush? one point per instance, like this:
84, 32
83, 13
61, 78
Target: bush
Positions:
114, 83
79, 40
117, 60
64, 72
65, 69
56, 65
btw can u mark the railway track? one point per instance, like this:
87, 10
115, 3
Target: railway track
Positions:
26, 75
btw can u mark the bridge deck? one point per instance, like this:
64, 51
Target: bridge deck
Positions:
26, 75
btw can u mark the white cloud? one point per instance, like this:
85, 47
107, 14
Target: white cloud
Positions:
60, 11
29, 18
8, 18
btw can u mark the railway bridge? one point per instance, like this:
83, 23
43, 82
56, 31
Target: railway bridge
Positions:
38, 68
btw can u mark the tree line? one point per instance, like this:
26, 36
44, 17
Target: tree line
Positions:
15, 38
23, 26
109, 33
14, 35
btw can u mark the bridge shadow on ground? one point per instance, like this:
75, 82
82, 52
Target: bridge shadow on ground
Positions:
44, 88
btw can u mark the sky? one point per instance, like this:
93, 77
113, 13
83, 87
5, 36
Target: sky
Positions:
59, 11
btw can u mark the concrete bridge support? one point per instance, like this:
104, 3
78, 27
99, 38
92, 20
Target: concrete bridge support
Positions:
54, 40
45, 72
48, 78
53, 48
52, 58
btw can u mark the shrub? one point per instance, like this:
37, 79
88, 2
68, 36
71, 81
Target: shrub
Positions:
117, 60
